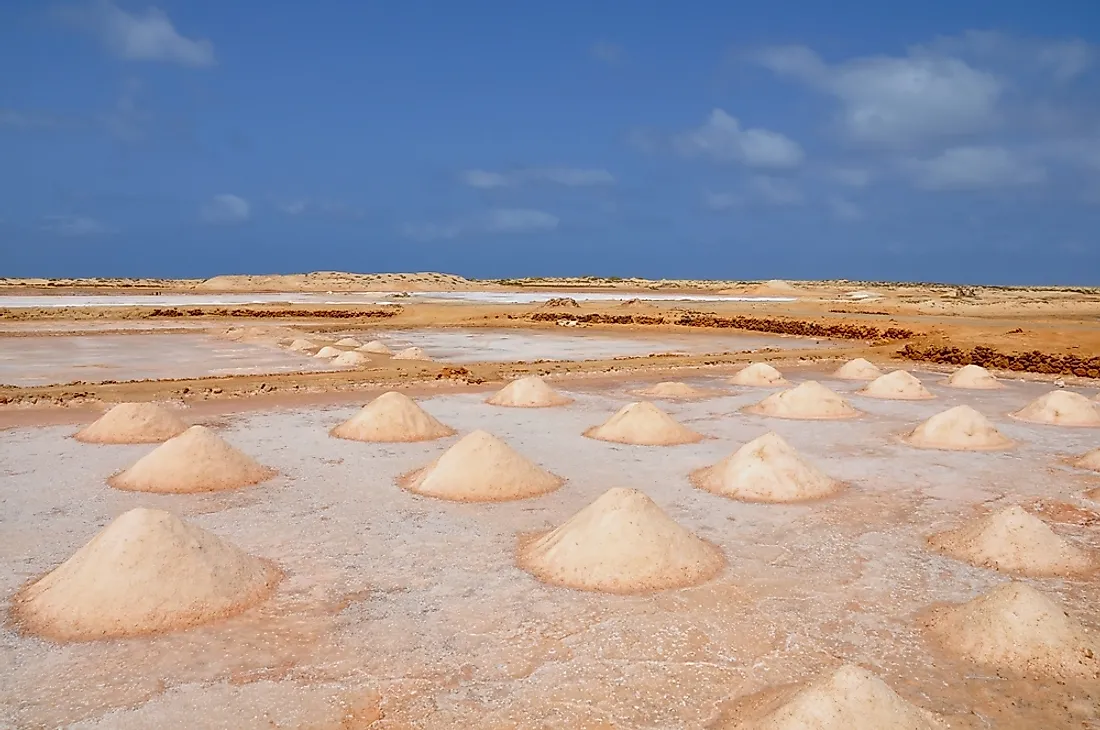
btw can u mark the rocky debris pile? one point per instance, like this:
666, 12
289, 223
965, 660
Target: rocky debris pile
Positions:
1031, 362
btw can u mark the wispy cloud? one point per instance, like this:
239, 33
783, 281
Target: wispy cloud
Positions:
758, 190
29, 120
75, 226
973, 168
845, 210
568, 176
722, 138
322, 207
856, 177
499, 221
139, 36
225, 209
607, 52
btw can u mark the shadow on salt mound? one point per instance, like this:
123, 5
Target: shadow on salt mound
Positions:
132, 423
808, 401
197, 460
327, 352
858, 369
148, 571
643, 424
411, 353
621, 543
481, 468
850, 698
759, 375
1015, 628
674, 391
898, 385
1060, 408
974, 377
1014, 541
1091, 460
765, 469
529, 392
392, 418
376, 347
957, 429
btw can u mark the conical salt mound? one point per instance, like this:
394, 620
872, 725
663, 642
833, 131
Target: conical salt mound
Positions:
858, 369
1016, 628
643, 424
328, 351
1091, 460
348, 342
132, 423
351, 359
672, 391
481, 468
1014, 541
148, 571
898, 385
851, 698
392, 417
974, 377
759, 375
529, 392
411, 353
765, 469
621, 543
1061, 408
197, 460
375, 346
809, 400
301, 345
958, 429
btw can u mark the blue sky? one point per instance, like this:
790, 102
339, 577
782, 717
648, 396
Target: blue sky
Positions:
946, 141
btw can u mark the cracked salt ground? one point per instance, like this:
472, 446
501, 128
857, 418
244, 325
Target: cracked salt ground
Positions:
420, 600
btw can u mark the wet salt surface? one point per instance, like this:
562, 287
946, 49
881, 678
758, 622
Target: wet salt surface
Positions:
419, 599
26, 361
482, 345
46, 360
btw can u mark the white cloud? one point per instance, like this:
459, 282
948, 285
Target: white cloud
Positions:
855, 177
973, 168
722, 138
610, 53
294, 207
1063, 59
225, 209
568, 176
141, 36
896, 100
499, 221
845, 210
75, 226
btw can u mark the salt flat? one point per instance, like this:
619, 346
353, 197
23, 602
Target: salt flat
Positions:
420, 600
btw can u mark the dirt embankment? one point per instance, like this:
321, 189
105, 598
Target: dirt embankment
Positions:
1031, 362
751, 324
